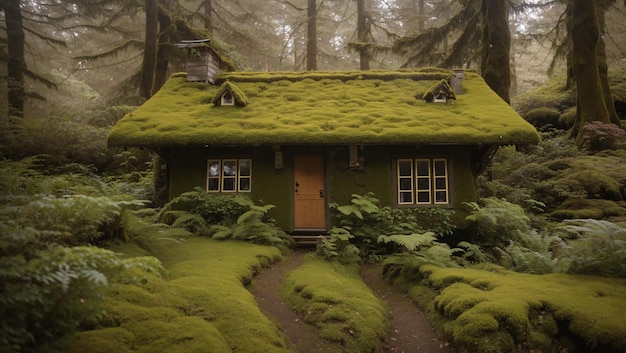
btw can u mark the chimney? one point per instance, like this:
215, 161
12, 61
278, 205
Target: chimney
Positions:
202, 61
456, 81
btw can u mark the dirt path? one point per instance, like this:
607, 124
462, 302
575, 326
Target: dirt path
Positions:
303, 338
410, 330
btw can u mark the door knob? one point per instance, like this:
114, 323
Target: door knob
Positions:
321, 193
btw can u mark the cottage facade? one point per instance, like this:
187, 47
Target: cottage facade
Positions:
300, 140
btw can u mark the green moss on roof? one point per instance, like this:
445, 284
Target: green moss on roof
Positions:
364, 107
240, 97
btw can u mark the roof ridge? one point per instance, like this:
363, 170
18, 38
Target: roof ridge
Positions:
430, 74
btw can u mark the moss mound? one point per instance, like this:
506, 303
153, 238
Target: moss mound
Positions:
201, 305
503, 311
543, 118
332, 297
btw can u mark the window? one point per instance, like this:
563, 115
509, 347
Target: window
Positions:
229, 175
227, 98
422, 181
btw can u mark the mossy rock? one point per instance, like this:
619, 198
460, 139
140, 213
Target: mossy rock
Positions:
543, 118
568, 118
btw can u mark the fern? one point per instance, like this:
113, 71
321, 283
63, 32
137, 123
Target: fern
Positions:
595, 247
409, 242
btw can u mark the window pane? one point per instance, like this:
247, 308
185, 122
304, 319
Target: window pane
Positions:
440, 183
423, 184
229, 184
214, 168
244, 184
405, 184
440, 167
423, 168
406, 197
245, 167
441, 197
423, 197
405, 168
230, 168
214, 184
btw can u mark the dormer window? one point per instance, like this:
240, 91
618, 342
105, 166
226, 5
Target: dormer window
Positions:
440, 98
229, 95
227, 99
440, 92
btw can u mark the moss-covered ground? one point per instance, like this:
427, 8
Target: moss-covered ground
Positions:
503, 311
333, 297
200, 305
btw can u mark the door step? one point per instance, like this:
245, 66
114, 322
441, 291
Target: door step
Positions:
309, 240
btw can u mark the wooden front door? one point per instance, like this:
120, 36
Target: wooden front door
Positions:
309, 193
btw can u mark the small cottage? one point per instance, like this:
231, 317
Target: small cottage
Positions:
300, 140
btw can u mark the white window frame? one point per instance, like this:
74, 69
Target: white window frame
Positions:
434, 184
220, 177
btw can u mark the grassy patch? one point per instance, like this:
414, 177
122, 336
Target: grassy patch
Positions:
503, 311
200, 305
332, 297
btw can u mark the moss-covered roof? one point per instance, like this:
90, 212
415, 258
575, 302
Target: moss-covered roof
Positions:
358, 107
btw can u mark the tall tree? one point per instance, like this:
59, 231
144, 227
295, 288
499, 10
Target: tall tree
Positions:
311, 47
15, 65
363, 34
148, 67
491, 45
495, 67
591, 99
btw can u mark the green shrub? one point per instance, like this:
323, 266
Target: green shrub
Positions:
47, 290
360, 225
595, 247
496, 222
598, 136
215, 209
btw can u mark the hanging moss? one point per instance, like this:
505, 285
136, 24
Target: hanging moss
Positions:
374, 107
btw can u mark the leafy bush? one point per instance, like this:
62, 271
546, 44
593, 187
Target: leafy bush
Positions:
368, 231
255, 227
598, 136
533, 253
215, 209
595, 247
47, 290
224, 217
496, 222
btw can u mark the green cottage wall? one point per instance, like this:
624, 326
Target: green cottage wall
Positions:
187, 169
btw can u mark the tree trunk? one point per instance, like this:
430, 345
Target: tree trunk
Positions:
364, 55
15, 65
421, 15
311, 46
148, 67
496, 46
590, 100
160, 71
208, 16
603, 68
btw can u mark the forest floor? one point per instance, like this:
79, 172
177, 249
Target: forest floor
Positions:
410, 330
